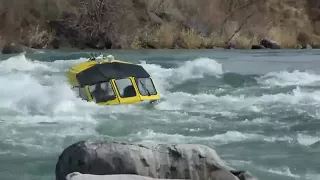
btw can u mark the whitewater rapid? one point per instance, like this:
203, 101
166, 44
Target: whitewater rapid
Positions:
247, 118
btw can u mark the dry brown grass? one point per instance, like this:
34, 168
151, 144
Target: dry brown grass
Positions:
25, 21
304, 38
168, 36
162, 36
165, 36
286, 37
191, 39
290, 19
37, 38
159, 6
280, 20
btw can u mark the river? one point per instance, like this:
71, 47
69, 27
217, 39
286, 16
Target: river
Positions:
258, 109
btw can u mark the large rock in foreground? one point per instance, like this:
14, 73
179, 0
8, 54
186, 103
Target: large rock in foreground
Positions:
79, 176
182, 161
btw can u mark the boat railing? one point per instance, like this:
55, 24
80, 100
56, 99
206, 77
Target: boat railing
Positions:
95, 56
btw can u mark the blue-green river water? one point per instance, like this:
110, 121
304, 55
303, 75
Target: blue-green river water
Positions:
258, 109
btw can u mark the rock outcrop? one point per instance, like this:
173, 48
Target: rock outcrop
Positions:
181, 161
258, 47
12, 48
127, 24
270, 44
266, 44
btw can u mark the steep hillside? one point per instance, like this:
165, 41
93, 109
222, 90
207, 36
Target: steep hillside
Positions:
159, 23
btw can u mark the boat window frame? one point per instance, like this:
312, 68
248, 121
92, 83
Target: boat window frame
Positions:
154, 87
113, 90
132, 84
83, 93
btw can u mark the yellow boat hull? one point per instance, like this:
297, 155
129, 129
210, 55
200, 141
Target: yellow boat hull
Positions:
82, 77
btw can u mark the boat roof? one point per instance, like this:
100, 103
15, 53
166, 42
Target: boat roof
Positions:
111, 70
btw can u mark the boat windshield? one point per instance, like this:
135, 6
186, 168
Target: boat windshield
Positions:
146, 86
125, 88
102, 92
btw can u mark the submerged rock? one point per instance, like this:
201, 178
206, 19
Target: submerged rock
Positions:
181, 161
258, 47
270, 44
12, 48
230, 45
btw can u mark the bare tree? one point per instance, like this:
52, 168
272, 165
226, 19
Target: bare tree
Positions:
233, 7
99, 17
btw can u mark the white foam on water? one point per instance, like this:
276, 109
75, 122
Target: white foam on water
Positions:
64, 65
286, 78
235, 136
33, 101
39, 138
37, 102
48, 99
197, 69
307, 140
262, 120
37, 105
231, 103
239, 162
56, 102
21, 63
195, 129
166, 78
285, 171
224, 138
27, 94
312, 176
277, 138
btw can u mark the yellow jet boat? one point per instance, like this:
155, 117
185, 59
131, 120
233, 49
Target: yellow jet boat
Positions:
106, 81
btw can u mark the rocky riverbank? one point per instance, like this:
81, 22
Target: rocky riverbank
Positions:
127, 24
155, 161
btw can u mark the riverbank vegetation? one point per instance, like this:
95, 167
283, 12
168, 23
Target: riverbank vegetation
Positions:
159, 23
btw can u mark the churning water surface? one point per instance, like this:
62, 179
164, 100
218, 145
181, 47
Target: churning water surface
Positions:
258, 109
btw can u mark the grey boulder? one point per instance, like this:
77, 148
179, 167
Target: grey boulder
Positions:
270, 44
13, 48
166, 161
79, 176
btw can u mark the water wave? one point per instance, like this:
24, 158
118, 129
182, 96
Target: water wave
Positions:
202, 102
285, 78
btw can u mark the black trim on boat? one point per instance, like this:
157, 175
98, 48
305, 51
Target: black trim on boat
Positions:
107, 71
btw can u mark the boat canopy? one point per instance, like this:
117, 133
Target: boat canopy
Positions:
107, 71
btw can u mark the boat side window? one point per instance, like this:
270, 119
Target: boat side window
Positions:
83, 94
80, 92
146, 86
102, 92
125, 88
